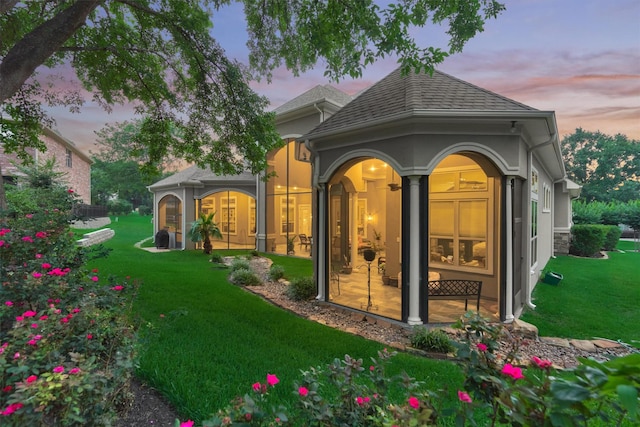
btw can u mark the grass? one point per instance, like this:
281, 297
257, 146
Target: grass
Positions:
205, 341
596, 298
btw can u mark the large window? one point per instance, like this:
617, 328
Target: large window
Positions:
229, 218
460, 209
69, 158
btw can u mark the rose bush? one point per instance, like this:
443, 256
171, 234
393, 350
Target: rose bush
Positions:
66, 344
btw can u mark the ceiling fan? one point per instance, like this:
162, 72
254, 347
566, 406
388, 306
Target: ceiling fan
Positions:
393, 186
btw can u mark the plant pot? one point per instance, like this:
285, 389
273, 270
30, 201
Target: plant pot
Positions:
346, 270
385, 280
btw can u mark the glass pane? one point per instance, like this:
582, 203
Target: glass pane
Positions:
441, 218
441, 251
473, 219
443, 182
473, 181
473, 253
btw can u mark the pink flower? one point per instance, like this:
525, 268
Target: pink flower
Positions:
46, 265
188, 423
512, 371
544, 364
28, 216
1, 243
360, 400
58, 369
8, 303
44, 317
7, 389
34, 325
272, 380
372, 368
464, 397
303, 391
36, 275
76, 310
41, 235
95, 270
256, 386
19, 318
70, 191
74, 371
414, 402
28, 239
64, 320
118, 288
89, 336
29, 313
32, 342
94, 278
38, 256
481, 346
31, 379
12, 408
16, 356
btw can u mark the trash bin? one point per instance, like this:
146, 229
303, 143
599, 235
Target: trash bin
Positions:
552, 278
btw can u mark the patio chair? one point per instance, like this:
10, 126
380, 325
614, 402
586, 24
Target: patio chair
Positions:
305, 241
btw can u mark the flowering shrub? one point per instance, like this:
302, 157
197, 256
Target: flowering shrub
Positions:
65, 343
347, 393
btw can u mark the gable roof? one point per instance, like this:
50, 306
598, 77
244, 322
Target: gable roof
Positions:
397, 94
320, 93
196, 176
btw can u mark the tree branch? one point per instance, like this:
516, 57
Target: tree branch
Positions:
37, 46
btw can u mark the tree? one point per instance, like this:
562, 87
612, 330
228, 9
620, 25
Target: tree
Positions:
196, 101
203, 229
122, 179
607, 167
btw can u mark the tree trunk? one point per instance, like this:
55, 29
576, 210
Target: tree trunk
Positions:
37, 46
207, 245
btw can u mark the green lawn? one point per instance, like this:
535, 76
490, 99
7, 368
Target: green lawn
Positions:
205, 341
596, 298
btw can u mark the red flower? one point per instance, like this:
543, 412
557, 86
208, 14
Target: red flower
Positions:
414, 402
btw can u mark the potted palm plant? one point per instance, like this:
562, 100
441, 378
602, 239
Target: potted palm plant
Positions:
203, 229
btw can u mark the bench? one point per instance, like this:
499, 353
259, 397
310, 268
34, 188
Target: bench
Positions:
455, 290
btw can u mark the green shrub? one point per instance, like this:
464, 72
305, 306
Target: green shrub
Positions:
255, 253
144, 210
240, 264
301, 288
119, 207
276, 272
217, 258
435, 340
245, 277
587, 213
611, 238
587, 240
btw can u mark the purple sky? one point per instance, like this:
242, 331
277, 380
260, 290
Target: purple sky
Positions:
579, 58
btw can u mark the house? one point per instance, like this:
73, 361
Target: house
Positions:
68, 159
443, 179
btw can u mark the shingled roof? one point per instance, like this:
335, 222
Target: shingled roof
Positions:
396, 94
314, 95
195, 175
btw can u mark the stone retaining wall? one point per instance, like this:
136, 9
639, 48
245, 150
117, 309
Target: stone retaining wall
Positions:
96, 237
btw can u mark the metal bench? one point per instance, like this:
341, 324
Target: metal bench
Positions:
455, 290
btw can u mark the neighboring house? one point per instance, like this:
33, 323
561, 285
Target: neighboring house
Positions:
443, 178
68, 159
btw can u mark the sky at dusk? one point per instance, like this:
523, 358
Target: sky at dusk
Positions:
579, 58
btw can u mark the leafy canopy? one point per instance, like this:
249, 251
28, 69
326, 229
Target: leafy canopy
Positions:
607, 167
195, 100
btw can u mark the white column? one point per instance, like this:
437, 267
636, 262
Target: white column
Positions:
353, 219
414, 251
319, 242
508, 316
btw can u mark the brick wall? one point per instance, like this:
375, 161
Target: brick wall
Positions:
78, 176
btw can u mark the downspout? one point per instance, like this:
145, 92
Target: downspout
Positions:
529, 288
315, 105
